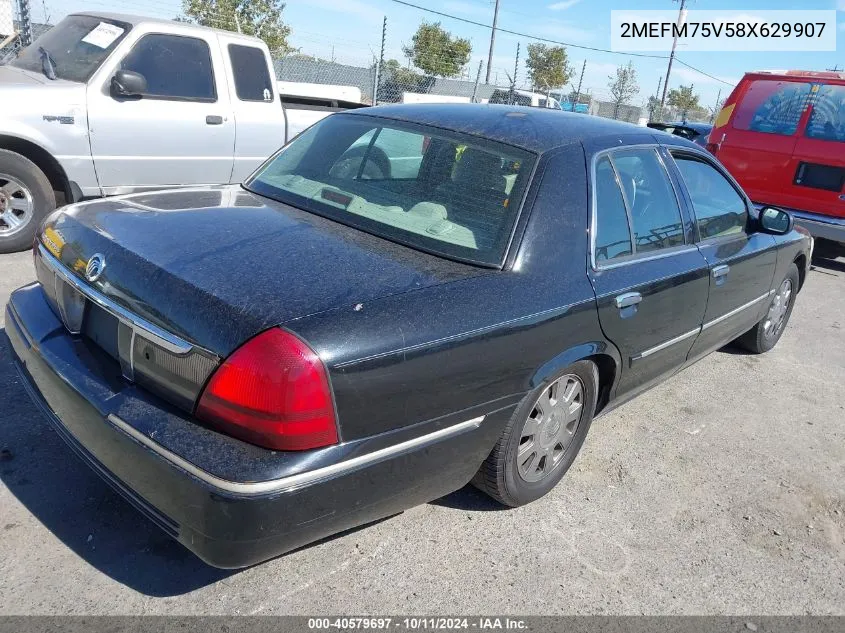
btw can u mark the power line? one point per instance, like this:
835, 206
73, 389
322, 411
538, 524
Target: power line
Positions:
698, 70
560, 43
518, 34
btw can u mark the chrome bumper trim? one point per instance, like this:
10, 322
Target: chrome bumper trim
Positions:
299, 480
150, 331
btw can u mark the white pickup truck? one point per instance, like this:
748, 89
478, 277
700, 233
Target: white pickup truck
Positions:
105, 104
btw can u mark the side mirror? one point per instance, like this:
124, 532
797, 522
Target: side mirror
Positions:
127, 83
776, 221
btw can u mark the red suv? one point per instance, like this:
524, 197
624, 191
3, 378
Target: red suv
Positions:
782, 136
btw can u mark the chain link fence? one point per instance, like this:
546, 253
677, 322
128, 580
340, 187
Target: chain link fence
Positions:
9, 39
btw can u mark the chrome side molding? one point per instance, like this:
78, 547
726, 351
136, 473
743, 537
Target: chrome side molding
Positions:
301, 479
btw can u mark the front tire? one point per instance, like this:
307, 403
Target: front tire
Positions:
542, 438
26, 198
766, 334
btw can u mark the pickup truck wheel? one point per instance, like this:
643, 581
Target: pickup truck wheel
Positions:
26, 197
765, 335
542, 438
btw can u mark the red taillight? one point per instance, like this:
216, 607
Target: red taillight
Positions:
272, 391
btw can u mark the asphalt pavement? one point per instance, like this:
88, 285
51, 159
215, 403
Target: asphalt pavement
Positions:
721, 491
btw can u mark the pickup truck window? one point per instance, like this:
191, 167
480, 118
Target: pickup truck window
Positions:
175, 67
443, 192
252, 79
77, 45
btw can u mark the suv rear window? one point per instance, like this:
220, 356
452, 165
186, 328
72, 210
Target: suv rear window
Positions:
443, 192
772, 107
827, 122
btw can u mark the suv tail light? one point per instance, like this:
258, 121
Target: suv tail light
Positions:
272, 391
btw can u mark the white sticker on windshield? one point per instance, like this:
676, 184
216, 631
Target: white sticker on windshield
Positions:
103, 35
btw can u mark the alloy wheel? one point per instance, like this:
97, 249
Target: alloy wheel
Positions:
550, 428
16, 205
777, 310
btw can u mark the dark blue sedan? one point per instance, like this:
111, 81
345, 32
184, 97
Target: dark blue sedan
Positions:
402, 300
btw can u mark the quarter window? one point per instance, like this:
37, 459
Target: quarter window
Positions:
174, 66
252, 79
613, 236
773, 107
653, 206
719, 209
827, 122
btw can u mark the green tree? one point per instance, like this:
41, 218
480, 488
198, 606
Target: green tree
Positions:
548, 66
683, 99
261, 18
436, 52
623, 86
655, 112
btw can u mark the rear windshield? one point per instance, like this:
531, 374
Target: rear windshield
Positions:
442, 192
772, 106
827, 122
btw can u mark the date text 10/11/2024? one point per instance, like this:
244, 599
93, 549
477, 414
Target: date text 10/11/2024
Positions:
417, 623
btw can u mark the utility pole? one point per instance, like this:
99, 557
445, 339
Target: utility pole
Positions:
516, 66
492, 41
26, 22
682, 16
477, 79
578, 91
380, 62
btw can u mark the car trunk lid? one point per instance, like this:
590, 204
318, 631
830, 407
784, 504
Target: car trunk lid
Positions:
216, 266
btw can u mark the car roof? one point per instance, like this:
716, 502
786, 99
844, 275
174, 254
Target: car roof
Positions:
535, 129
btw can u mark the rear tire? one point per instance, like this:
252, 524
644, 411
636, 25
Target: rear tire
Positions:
765, 335
542, 438
26, 197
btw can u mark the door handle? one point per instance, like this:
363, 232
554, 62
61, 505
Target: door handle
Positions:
628, 299
720, 274
214, 119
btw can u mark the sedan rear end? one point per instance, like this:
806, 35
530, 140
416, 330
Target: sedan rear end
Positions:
162, 339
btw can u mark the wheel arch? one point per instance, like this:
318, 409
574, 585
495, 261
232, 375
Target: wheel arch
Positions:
800, 262
603, 354
43, 159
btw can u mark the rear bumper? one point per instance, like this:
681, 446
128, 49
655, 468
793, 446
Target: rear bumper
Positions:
219, 509
821, 226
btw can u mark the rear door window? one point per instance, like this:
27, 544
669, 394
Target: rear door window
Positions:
613, 235
252, 79
827, 121
654, 209
772, 107
719, 209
